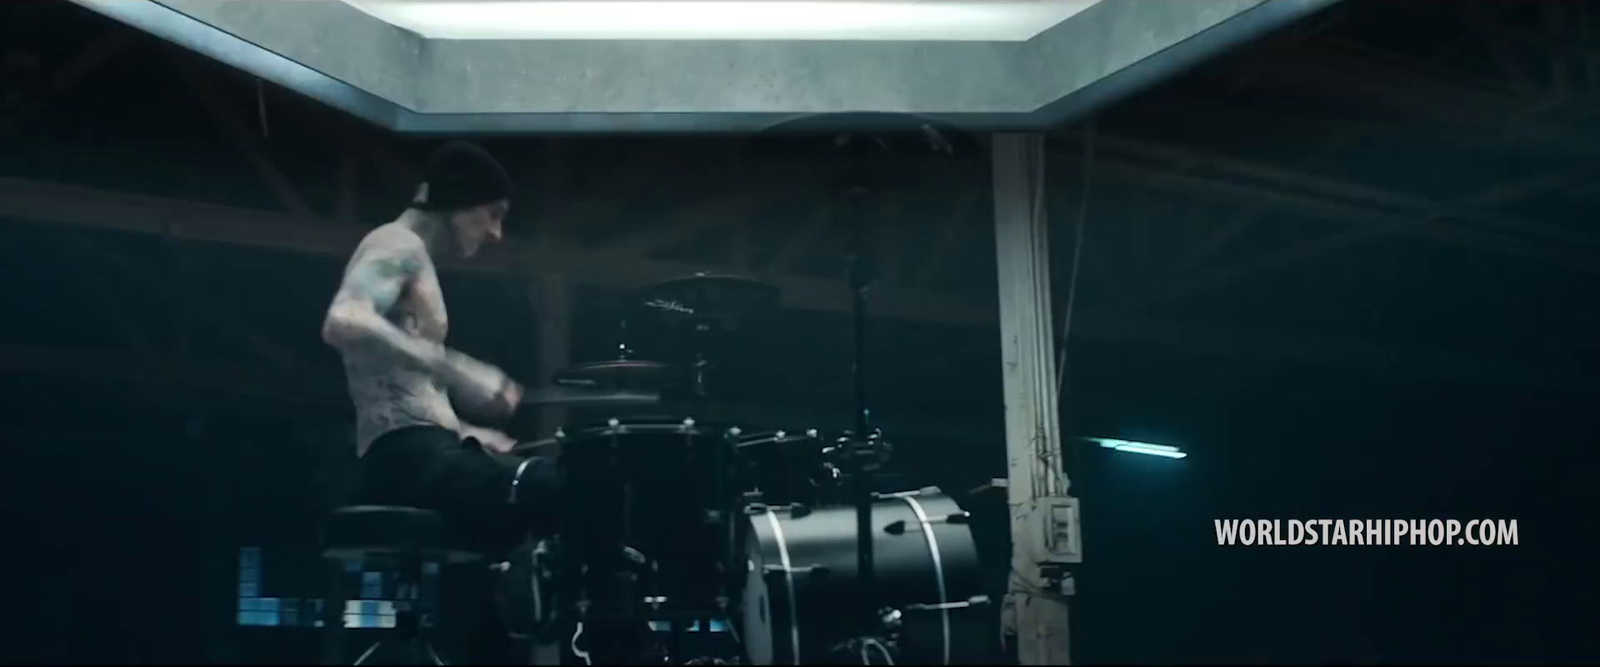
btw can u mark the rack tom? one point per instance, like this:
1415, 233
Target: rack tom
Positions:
782, 467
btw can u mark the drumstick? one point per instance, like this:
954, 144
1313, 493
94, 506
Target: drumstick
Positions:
573, 397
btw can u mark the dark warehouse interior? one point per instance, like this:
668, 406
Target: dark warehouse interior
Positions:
1349, 267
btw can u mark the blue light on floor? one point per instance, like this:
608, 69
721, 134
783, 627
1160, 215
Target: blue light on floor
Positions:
717, 625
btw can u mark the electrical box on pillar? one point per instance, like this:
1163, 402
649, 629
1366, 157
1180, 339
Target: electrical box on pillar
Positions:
1056, 521
1045, 539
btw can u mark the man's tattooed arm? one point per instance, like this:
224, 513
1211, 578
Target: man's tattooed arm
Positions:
374, 281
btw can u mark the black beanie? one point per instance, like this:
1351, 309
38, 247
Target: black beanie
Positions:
462, 175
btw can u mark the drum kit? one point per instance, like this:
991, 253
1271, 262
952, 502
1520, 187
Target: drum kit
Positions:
690, 541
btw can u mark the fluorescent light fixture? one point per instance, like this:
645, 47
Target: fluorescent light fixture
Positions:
1132, 447
881, 20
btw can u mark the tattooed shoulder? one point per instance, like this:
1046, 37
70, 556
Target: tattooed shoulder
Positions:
383, 265
391, 250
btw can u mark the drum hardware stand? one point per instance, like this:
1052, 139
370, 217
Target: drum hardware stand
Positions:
410, 621
702, 365
623, 352
868, 650
881, 648
861, 451
720, 518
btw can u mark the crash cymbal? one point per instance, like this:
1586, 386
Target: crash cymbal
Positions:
619, 374
881, 149
577, 397
707, 297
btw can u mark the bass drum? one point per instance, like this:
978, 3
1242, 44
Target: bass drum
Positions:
801, 599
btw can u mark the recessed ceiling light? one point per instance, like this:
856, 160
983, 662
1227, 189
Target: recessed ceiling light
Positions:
905, 20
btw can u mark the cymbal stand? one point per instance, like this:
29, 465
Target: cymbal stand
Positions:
702, 365
623, 351
720, 518
862, 454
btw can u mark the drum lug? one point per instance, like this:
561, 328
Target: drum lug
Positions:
891, 619
813, 570
796, 510
974, 601
924, 491
958, 518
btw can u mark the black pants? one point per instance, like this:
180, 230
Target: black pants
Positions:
433, 468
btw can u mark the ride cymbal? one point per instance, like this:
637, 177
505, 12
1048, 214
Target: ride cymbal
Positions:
619, 374
707, 297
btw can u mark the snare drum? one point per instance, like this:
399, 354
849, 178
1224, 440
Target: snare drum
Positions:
800, 600
650, 509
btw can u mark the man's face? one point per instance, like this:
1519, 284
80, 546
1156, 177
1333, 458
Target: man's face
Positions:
479, 225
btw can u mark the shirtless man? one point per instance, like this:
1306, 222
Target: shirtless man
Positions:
388, 321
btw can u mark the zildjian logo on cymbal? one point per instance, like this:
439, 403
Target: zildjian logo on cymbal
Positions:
664, 304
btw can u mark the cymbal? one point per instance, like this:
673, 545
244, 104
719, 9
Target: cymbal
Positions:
876, 133
881, 149
588, 398
707, 297
618, 374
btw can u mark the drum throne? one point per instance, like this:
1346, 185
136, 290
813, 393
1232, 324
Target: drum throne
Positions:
405, 541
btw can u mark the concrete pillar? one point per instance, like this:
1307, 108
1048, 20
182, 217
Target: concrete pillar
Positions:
1044, 532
